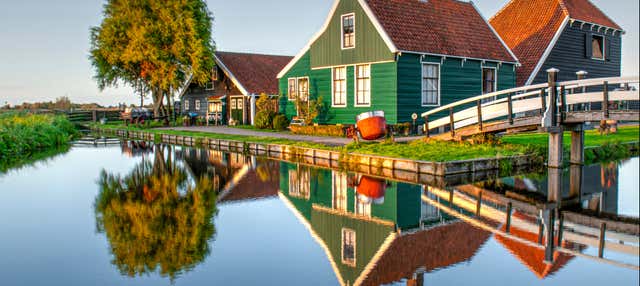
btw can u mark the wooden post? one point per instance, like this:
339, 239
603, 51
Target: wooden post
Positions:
94, 116
550, 224
544, 102
540, 231
426, 125
480, 115
479, 204
560, 227
509, 210
603, 230
565, 108
605, 100
451, 198
510, 104
577, 145
582, 75
451, 123
553, 95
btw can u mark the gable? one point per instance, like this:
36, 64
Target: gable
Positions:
370, 45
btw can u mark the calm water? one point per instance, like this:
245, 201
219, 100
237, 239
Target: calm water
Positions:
135, 214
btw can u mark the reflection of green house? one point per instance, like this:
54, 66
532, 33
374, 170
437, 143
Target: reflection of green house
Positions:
366, 241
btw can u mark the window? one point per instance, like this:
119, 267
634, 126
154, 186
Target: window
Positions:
214, 74
430, 84
339, 86
363, 206
339, 191
186, 104
597, 47
363, 85
293, 89
303, 89
300, 183
348, 247
198, 104
488, 80
348, 31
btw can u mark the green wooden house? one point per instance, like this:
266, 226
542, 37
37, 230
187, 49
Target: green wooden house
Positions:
375, 242
398, 56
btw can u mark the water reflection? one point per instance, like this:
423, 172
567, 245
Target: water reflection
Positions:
155, 219
377, 232
159, 217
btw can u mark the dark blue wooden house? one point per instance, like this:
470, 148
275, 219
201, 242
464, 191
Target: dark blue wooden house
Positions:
570, 35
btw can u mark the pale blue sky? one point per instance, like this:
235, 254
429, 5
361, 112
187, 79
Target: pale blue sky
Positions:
44, 46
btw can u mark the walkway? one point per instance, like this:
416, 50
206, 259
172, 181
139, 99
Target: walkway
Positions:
330, 141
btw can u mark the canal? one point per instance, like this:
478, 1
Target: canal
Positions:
136, 213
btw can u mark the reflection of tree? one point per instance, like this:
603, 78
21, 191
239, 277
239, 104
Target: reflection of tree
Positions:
155, 219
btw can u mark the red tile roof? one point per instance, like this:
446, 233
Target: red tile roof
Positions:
433, 249
256, 73
529, 34
447, 27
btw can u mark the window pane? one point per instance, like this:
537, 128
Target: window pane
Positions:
430, 84
598, 47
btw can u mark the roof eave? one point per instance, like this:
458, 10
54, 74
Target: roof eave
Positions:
599, 25
517, 61
230, 75
459, 57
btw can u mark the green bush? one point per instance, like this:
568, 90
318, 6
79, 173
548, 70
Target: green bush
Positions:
23, 134
264, 119
280, 122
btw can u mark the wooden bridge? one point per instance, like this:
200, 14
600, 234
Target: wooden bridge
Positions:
553, 107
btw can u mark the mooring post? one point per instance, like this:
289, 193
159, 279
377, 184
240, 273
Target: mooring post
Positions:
575, 181
560, 227
479, 204
550, 122
577, 145
564, 108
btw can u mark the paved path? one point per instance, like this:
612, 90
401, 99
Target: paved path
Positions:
331, 141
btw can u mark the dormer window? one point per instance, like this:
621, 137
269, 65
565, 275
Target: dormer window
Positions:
348, 31
214, 77
597, 47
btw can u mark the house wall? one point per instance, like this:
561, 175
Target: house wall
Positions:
383, 91
458, 81
569, 55
327, 50
223, 86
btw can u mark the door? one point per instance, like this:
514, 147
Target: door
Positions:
303, 97
237, 109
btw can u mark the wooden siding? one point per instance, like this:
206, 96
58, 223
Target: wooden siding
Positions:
327, 49
383, 91
457, 81
569, 56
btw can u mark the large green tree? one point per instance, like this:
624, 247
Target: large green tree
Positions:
154, 44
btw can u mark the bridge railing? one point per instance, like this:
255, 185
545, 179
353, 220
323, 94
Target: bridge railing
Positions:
535, 101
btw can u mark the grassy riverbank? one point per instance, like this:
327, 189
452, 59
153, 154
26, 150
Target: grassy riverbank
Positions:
23, 136
599, 147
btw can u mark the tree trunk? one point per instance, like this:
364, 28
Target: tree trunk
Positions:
157, 102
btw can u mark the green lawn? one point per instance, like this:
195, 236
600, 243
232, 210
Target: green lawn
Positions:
521, 144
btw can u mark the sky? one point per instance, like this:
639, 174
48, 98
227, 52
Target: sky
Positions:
44, 45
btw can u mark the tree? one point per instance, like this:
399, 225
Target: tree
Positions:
153, 45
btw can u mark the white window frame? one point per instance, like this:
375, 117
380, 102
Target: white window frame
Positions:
300, 183
295, 87
357, 87
198, 104
333, 86
604, 47
362, 208
186, 104
422, 81
355, 247
308, 87
339, 191
495, 79
342, 31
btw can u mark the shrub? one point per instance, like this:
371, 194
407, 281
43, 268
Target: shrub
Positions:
280, 122
321, 130
264, 119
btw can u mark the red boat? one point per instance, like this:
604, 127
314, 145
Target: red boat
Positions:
372, 125
371, 190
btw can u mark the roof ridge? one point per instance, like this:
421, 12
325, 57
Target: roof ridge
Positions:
564, 8
252, 53
501, 10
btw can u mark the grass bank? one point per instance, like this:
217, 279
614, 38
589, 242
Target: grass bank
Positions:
23, 136
600, 147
